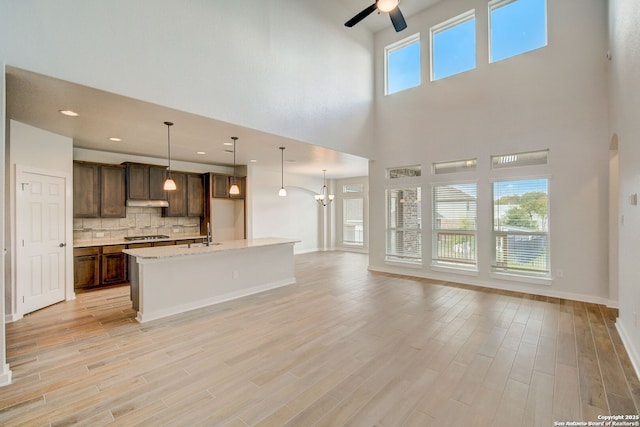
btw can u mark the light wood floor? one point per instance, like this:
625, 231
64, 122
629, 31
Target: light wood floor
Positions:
342, 347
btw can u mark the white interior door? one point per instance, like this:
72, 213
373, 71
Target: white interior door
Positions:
41, 260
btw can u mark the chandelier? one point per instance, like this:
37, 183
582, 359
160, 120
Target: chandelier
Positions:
324, 198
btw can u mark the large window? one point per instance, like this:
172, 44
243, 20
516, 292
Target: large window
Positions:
516, 26
454, 225
453, 46
404, 225
402, 65
353, 222
521, 226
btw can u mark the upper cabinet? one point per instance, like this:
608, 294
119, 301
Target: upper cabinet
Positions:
157, 175
220, 186
86, 190
195, 195
112, 191
177, 198
98, 190
145, 182
188, 197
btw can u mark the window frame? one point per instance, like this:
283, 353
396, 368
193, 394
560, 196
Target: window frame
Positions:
393, 258
444, 26
435, 231
353, 196
393, 47
523, 274
497, 4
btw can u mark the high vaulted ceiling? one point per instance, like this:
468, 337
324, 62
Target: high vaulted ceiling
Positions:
36, 100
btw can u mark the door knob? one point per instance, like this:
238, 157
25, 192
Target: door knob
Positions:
62, 245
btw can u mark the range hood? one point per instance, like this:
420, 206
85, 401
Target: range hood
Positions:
148, 203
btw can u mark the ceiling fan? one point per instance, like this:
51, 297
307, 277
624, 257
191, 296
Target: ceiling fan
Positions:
389, 6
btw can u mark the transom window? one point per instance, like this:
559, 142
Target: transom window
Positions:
531, 158
404, 172
455, 166
515, 27
402, 65
453, 46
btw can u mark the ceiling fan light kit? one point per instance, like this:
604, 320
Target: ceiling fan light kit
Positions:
387, 6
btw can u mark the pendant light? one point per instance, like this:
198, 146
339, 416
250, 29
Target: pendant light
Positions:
234, 190
169, 183
324, 198
282, 192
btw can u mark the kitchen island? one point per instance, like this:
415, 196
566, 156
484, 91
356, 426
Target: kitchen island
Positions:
168, 280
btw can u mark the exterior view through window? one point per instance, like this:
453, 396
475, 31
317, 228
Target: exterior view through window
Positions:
402, 65
516, 26
454, 225
453, 46
521, 226
404, 225
353, 222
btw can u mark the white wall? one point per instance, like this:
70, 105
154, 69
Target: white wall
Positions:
285, 67
624, 24
5, 372
554, 97
40, 150
296, 216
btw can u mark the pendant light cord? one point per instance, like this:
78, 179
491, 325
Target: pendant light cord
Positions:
169, 124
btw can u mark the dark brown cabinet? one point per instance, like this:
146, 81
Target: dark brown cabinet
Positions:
178, 197
86, 267
220, 186
145, 182
112, 192
113, 265
86, 190
98, 190
240, 181
188, 197
157, 175
137, 181
195, 195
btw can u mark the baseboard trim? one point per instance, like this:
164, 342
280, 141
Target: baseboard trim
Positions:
467, 280
9, 318
5, 376
632, 351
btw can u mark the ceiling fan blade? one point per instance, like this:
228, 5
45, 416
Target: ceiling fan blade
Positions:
397, 19
360, 16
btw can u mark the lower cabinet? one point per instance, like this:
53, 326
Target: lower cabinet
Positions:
86, 267
97, 266
114, 265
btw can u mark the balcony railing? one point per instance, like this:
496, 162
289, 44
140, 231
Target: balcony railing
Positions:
458, 247
522, 251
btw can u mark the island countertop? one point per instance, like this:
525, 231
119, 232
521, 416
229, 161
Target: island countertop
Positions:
161, 252
168, 280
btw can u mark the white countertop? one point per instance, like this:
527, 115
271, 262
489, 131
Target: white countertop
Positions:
196, 249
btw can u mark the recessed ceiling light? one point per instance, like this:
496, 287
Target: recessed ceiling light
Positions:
68, 113
253, 160
228, 143
114, 139
200, 152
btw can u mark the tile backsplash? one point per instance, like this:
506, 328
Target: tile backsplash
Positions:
139, 221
